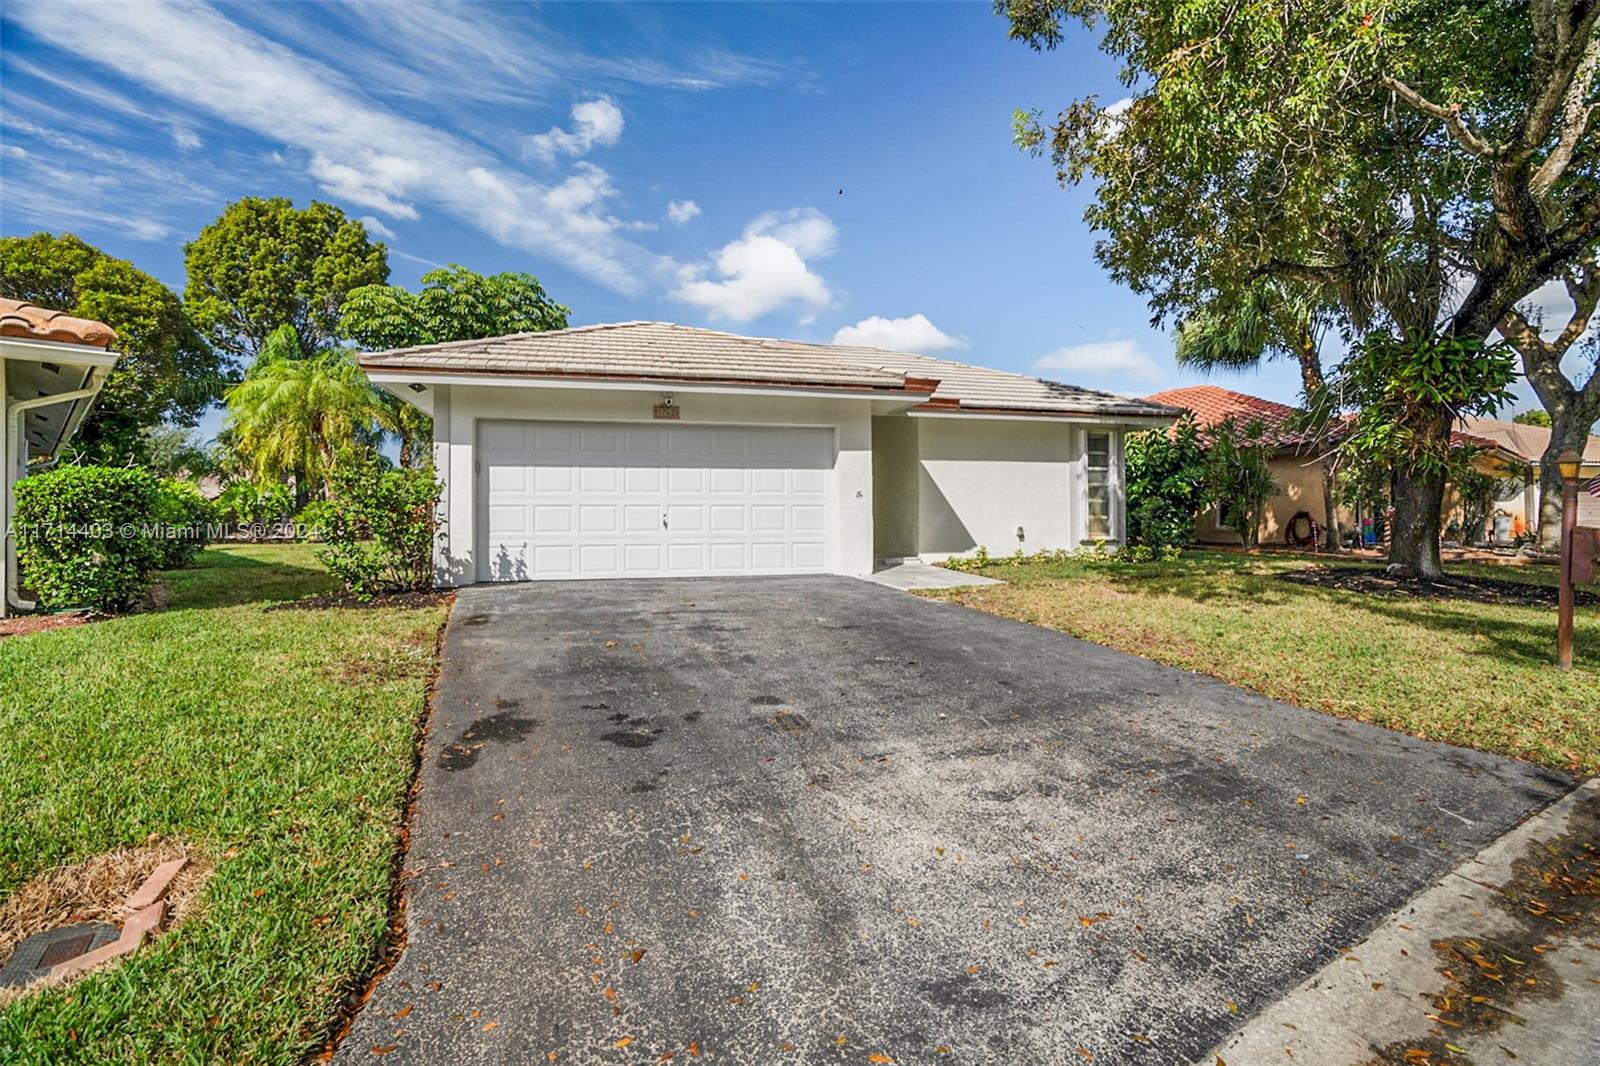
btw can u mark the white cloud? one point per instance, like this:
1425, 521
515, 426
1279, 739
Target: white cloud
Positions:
357, 149
1117, 108
594, 122
376, 227
185, 138
681, 211
764, 269
1101, 357
914, 333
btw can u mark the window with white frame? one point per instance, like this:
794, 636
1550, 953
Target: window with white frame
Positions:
1097, 468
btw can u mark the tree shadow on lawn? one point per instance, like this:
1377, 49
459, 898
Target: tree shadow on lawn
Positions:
1526, 639
235, 576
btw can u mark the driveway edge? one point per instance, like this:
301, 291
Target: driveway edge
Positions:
386, 953
1481, 967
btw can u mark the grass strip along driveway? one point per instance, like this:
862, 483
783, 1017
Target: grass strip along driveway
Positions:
278, 742
1470, 673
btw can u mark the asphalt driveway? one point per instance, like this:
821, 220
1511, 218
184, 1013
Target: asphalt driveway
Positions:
817, 820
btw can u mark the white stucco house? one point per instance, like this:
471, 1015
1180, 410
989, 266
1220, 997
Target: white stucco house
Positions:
51, 367
646, 449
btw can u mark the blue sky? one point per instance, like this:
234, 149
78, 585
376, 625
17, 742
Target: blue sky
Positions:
811, 171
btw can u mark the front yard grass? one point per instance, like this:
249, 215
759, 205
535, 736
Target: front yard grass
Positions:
277, 742
1474, 674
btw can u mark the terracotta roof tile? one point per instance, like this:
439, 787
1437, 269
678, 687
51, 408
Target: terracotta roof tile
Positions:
662, 351
1211, 404
21, 319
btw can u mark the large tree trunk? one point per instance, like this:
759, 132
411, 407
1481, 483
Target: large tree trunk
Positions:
1418, 504
1569, 428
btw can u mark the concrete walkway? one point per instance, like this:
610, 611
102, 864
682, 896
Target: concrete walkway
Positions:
913, 575
1498, 962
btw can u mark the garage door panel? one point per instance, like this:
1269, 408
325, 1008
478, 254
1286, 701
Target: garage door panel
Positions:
769, 482
769, 517
548, 518
638, 480
599, 440
599, 560
686, 558
807, 555
577, 500
511, 520
508, 478
729, 518
554, 480
598, 518
685, 441
686, 518
509, 437
769, 556
641, 518
553, 438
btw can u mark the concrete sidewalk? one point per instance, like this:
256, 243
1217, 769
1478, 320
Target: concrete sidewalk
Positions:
1498, 962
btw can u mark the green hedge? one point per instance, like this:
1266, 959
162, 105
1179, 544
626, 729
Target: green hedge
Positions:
83, 535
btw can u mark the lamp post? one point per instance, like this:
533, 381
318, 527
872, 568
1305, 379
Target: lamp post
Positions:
1568, 462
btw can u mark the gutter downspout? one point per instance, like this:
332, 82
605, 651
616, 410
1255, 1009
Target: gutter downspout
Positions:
13, 431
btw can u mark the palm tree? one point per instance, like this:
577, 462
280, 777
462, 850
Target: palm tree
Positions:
1270, 320
296, 411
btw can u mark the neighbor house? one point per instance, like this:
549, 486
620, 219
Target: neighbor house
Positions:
1528, 443
652, 449
51, 367
1293, 456
1295, 459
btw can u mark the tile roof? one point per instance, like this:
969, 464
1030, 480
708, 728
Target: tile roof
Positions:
1529, 442
1211, 404
21, 319
662, 351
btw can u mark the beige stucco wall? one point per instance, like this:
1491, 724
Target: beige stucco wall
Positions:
1299, 481
896, 479
984, 478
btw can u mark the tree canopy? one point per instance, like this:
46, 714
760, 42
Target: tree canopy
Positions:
454, 304
1421, 165
165, 373
265, 263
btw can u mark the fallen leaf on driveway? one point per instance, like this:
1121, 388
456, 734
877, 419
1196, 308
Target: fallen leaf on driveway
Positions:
623, 1042
383, 1049
875, 1057
403, 1011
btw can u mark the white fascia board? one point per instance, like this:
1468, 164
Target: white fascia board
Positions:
1140, 421
422, 401
402, 378
55, 352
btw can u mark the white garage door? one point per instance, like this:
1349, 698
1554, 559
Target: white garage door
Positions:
596, 499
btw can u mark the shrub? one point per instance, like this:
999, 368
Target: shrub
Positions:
254, 506
1168, 484
380, 528
83, 535
182, 519
314, 519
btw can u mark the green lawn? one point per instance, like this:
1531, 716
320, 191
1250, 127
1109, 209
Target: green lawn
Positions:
1466, 673
278, 742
